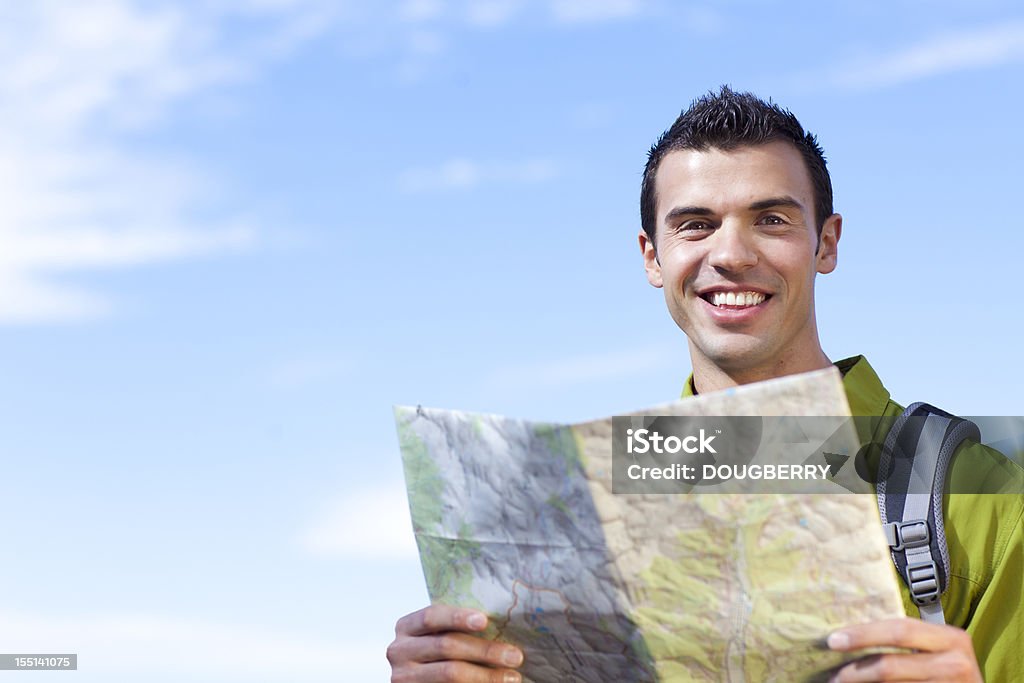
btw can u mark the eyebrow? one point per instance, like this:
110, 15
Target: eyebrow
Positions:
775, 202
688, 211
760, 205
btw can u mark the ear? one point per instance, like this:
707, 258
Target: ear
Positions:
828, 244
651, 264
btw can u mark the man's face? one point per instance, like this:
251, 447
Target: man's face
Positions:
737, 253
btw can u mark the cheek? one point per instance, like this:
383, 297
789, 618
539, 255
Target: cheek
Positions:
678, 269
796, 269
679, 283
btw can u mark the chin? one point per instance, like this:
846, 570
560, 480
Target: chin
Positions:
736, 346
744, 355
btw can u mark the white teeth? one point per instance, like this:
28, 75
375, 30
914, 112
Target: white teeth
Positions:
742, 299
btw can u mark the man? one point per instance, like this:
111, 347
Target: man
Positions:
737, 221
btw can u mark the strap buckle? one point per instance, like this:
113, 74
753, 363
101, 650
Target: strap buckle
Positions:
903, 535
923, 582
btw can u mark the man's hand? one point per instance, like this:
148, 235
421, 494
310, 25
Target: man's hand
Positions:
942, 653
434, 645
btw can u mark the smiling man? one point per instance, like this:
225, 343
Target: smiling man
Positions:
737, 222
735, 243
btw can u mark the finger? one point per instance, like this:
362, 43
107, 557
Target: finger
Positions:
953, 665
886, 668
439, 618
912, 634
462, 672
461, 647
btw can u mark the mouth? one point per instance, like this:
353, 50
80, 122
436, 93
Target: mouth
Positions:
735, 300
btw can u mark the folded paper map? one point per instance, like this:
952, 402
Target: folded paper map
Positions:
519, 519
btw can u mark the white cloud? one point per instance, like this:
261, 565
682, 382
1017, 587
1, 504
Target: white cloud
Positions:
145, 647
289, 24
491, 13
27, 300
371, 524
461, 174
28, 294
418, 56
959, 51
451, 175
420, 10
99, 248
72, 64
73, 195
579, 11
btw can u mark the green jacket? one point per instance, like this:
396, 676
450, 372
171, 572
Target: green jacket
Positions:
984, 533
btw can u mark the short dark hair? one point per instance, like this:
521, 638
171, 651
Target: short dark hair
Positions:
727, 120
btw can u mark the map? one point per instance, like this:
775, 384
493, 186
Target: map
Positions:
519, 519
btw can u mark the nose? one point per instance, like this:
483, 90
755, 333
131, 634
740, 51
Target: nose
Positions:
732, 249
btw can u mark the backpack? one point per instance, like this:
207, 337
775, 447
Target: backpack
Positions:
912, 475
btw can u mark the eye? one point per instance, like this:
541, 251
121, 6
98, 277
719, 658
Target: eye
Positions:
693, 230
695, 226
774, 223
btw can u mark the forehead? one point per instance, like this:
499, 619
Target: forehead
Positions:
723, 180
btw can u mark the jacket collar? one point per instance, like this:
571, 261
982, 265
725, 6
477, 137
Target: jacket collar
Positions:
864, 391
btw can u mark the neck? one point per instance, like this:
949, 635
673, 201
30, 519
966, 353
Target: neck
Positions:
708, 377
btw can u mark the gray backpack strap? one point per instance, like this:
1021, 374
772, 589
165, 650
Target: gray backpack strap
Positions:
912, 476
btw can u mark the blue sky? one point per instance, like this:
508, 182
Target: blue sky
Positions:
234, 233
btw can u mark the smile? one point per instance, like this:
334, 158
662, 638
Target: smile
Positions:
734, 299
